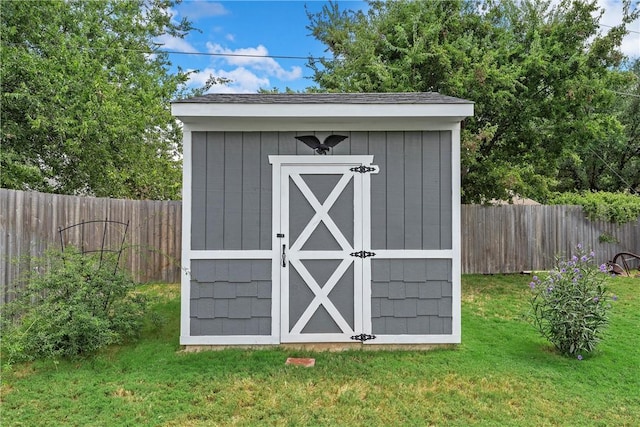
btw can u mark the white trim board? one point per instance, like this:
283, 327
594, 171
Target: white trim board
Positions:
185, 282
341, 124
189, 112
235, 254
287, 171
412, 253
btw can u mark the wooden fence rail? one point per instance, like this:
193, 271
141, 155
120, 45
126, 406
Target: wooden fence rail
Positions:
500, 239
29, 224
516, 238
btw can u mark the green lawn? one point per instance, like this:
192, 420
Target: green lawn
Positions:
501, 374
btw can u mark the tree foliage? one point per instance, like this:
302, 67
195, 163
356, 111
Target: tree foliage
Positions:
618, 208
544, 79
85, 98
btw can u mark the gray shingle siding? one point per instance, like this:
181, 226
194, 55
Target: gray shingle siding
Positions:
411, 296
230, 297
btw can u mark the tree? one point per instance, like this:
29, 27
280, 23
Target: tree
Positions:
85, 98
542, 77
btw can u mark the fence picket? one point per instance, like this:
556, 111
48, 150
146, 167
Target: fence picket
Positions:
495, 239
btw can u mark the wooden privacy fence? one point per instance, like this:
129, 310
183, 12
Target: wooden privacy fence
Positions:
29, 224
495, 239
516, 238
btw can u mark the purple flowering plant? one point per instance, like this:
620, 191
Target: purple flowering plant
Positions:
570, 305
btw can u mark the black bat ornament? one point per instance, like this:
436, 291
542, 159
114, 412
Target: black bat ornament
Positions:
321, 147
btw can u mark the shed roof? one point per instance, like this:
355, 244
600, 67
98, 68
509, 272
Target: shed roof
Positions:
321, 111
326, 98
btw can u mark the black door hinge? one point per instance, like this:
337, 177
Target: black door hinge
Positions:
362, 254
363, 337
362, 169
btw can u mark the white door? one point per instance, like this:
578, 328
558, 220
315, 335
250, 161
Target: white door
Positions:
324, 230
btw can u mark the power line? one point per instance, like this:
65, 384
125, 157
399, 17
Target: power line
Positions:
241, 55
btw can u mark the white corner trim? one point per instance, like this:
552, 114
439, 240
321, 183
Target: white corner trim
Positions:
456, 231
185, 282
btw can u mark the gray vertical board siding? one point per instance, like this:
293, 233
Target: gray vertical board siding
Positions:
214, 208
199, 190
233, 174
432, 175
359, 142
236, 213
446, 191
410, 196
230, 297
395, 191
251, 164
411, 296
413, 203
268, 146
378, 148
289, 145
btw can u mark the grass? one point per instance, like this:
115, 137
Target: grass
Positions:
501, 374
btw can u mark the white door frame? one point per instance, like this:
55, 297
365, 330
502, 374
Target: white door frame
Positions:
290, 166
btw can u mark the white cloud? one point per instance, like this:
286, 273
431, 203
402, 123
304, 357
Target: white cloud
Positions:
243, 80
256, 59
175, 43
230, 37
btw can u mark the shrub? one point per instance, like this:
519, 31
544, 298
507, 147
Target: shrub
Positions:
79, 305
570, 305
618, 208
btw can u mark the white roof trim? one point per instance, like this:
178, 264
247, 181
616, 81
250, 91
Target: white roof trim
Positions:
190, 111
202, 116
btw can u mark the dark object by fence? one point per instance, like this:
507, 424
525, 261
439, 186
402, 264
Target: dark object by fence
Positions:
625, 257
101, 250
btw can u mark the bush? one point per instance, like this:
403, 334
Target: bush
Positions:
78, 306
570, 305
618, 208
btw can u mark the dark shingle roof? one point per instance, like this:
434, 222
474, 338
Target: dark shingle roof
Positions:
326, 98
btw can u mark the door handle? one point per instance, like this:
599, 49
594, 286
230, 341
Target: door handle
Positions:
284, 255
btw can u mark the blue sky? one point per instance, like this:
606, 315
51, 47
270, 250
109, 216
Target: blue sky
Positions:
255, 28
278, 28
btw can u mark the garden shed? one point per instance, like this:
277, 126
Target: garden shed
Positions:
321, 218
